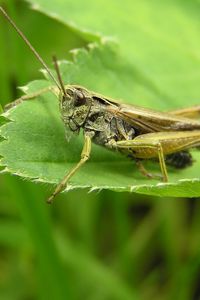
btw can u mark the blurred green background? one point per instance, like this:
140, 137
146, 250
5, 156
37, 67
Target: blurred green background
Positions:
86, 246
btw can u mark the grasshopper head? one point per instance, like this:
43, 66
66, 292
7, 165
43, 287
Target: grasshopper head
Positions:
74, 106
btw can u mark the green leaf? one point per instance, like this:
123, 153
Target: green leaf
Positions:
35, 145
151, 68
159, 38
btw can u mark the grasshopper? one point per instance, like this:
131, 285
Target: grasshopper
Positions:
136, 132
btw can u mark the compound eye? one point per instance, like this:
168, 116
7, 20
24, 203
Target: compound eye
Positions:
80, 101
80, 98
79, 94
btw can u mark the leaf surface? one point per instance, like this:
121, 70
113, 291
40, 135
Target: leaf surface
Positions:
156, 65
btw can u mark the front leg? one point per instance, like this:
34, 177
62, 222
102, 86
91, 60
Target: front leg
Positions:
84, 157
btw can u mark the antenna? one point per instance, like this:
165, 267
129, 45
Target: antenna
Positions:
30, 46
55, 61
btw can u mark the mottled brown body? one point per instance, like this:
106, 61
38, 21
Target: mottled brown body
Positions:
91, 113
108, 122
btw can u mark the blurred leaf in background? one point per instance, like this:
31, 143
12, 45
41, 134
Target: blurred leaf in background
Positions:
106, 245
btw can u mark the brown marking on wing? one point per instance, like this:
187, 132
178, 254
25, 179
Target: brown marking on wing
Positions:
152, 121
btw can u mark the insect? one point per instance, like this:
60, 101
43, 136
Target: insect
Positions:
134, 131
